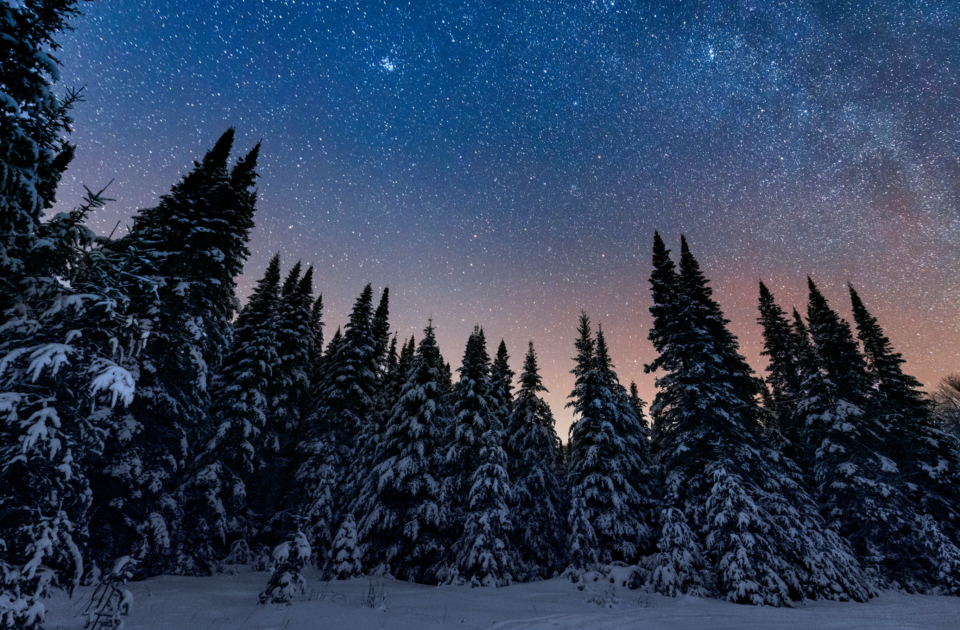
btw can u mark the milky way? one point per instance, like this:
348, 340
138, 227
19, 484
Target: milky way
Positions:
506, 163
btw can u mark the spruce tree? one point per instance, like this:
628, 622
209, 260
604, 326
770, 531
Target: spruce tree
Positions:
188, 250
784, 378
403, 531
34, 152
216, 491
837, 349
344, 405
67, 378
925, 455
540, 502
483, 555
501, 382
606, 467
370, 432
756, 528
664, 285
345, 556
638, 405
381, 328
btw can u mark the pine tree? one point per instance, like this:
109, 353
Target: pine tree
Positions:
403, 532
606, 454
370, 433
483, 555
540, 501
33, 150
501, 382
761, 539
188, 250
784, 379
664, 283
286, 581
344, 405
345, 556
925, 455
67, 376
907, 470
837, 349
381, 327
637, 404
217, 488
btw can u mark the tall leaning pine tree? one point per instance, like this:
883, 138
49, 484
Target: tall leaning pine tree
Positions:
189, 250
756, 528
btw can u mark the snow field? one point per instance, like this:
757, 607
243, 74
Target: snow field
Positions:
229, 602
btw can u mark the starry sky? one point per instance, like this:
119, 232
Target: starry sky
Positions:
507, 162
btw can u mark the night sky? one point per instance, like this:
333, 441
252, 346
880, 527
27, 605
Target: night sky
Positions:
506, 163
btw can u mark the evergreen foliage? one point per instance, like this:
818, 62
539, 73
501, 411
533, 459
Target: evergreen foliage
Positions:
286, 580
188, 251
638, 405
34, 152
344, 404
345, 557
925, 455
540, 502
606, 466
483, 554
68, 368
761, 539
138, 417
215, 492
404, 531
784, 376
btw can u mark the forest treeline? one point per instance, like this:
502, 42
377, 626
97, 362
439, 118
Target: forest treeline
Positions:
146, 415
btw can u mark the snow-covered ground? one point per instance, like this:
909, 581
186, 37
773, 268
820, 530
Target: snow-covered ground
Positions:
229, 602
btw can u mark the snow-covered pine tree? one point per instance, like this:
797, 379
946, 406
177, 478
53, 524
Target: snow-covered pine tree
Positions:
396, 365
296, 332
630, 416
68, 347
189, 249
215, 493
286, 581
391, 379
540, 500
663, 285
761, 538
501, 383
381, 328
343, 405
316, 320
858, 487
925, 455
362, 462
403, 531
784, 377
483, 554
345, 555
638, 405
446, 382
606, 467
34, 152
297, 327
